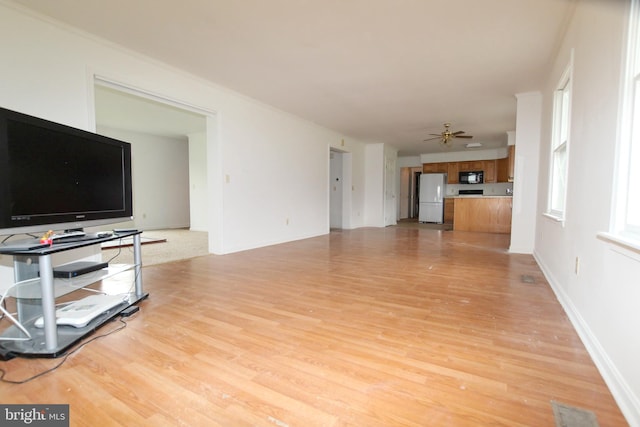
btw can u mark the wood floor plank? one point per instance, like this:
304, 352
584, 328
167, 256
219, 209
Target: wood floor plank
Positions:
370, 327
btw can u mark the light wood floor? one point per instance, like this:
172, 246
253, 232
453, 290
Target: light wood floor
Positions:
369, 327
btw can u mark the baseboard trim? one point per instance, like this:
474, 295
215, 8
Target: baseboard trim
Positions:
622, 393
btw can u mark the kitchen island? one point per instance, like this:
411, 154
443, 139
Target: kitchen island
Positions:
487, 214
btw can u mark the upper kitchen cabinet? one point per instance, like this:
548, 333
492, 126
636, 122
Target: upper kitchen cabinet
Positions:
505, 166
512, 160
489, 168
434, 168
450, 168
452, 173
472, 166
497, 170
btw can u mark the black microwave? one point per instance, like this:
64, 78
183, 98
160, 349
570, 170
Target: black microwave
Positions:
475, 177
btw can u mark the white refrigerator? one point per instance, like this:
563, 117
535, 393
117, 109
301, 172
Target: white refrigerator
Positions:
432, 190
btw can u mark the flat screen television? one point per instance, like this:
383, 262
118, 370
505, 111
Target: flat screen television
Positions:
56, 177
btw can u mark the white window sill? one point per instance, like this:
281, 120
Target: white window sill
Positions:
624, 242
553, 217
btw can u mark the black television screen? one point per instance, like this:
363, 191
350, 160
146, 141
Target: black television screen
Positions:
57, 177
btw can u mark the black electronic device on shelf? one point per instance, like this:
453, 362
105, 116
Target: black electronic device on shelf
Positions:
78, 268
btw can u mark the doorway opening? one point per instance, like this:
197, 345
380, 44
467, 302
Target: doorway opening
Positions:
169, 160
409, 192
340, 186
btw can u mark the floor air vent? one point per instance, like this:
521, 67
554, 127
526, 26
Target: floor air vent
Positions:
569, 416
525, 278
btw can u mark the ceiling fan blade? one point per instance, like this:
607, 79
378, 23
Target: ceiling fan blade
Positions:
447, 136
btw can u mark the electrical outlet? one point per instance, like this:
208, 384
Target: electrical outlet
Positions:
287, 221
577, 269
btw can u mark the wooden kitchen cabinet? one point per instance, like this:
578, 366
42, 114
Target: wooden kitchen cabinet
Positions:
482, 214
505, 166
448, 211
511, 163
489, 167
450, 168
434, 168
502, 170
452, 173
471, 166
429, 167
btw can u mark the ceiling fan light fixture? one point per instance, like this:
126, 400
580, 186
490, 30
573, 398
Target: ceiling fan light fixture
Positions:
447, 136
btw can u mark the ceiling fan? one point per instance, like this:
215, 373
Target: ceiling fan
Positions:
446, 137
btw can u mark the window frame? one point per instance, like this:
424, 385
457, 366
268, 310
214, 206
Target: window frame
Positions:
560, 145
628, 144
626, 241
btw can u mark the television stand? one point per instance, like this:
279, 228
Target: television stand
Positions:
36, 290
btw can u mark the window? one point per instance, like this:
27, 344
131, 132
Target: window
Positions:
632, 218
560, 146
626, 215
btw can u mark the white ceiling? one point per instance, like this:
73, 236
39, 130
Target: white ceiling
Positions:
388, 71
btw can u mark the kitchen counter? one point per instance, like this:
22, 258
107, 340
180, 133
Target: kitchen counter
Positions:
488, 214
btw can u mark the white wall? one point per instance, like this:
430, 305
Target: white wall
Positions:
264, 167
374, 186
160, 169
355, 175
391, 183
347, 190
198, 190
525, 175
602, 296
266, 171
